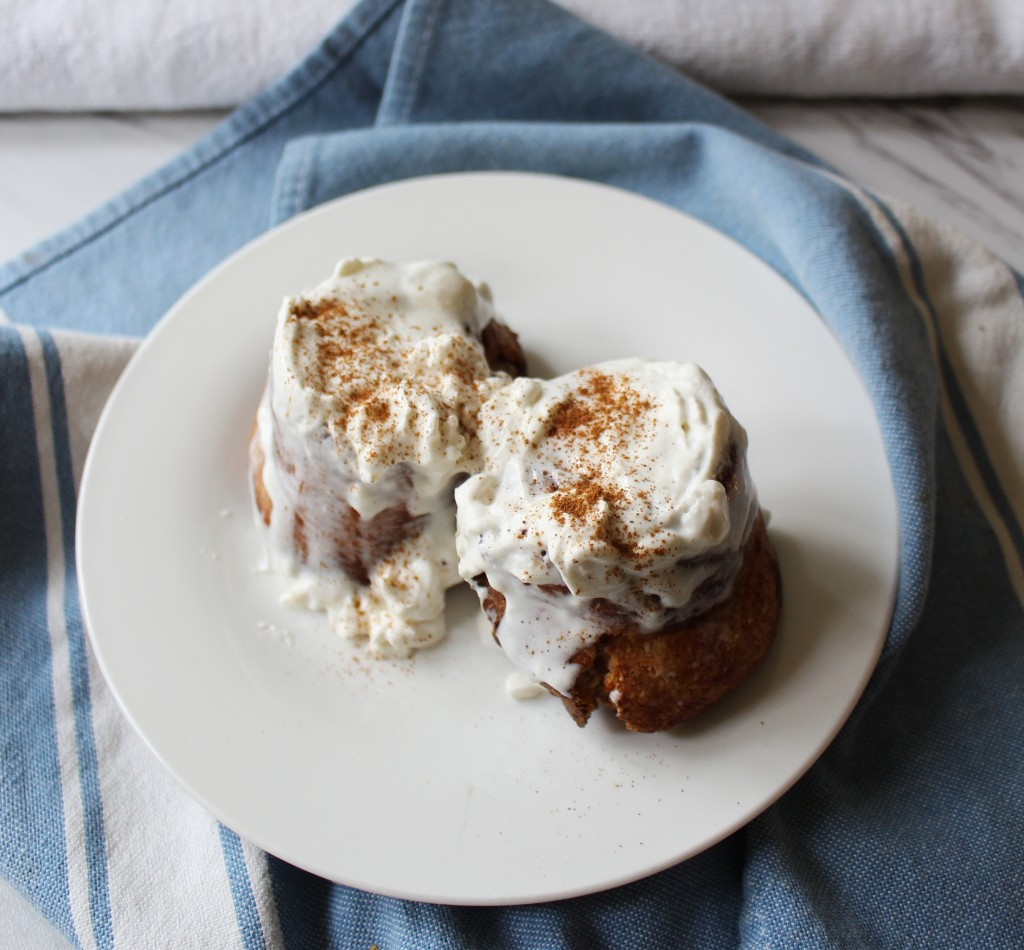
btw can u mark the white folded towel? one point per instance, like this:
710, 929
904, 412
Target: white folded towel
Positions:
127, 54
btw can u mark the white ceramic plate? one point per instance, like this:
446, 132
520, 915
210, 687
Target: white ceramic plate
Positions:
423, 779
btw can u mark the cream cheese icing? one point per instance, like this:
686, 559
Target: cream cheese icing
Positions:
616, 492
369, 416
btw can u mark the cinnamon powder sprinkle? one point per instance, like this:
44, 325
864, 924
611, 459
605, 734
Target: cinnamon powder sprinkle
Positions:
353, 352
604, 416
577, 501
378, 411
602, 405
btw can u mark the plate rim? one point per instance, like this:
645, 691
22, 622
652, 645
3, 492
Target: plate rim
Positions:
297, 223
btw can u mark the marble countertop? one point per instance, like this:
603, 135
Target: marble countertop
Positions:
960, 160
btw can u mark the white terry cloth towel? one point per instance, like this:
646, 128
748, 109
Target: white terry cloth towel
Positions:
132, 54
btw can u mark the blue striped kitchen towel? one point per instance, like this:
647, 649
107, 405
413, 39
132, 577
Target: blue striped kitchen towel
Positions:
909, 831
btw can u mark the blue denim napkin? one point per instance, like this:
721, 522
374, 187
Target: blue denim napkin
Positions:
909, 831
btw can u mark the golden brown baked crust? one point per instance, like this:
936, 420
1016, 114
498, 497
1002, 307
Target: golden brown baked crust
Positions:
660, 679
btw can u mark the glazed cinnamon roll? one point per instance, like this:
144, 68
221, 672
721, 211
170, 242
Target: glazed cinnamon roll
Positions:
616, 543
367, 422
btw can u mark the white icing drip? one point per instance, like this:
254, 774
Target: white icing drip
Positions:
375, 380
603, 481
519, 686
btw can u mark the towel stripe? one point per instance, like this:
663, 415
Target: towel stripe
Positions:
956, 394
972, 458
32, 821
258, 863
977, 467
249, 926
63, 707
958, 402
1000, 511
63, 584
95, 839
